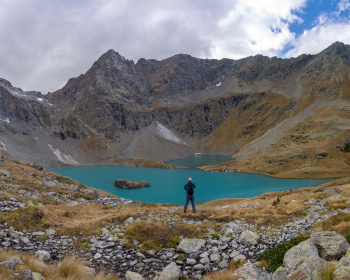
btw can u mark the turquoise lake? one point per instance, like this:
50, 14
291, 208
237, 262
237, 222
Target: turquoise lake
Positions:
167, 185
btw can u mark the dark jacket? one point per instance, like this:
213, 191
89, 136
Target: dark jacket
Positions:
187, 187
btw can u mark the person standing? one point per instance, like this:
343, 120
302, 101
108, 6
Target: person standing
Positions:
189, 187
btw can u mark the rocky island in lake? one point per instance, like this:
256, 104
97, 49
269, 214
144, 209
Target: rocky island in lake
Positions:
127, 184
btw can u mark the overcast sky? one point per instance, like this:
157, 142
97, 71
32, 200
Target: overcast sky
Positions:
46, 42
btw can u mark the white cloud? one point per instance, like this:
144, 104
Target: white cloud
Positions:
343, 6
328, 28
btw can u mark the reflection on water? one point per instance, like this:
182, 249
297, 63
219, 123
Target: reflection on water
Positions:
200, 160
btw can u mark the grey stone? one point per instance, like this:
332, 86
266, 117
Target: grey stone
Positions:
223, 264
89, 271
129, 275
170, 272
11, 263
215, 258
239, 258
25, 274
4, 174
189, 246
97, 256
191, 261
248, 238
37, 276
129, 221
204, 260
198, 267
43, 255
92, 192
330, 244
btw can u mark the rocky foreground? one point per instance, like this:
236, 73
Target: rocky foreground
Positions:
106, 246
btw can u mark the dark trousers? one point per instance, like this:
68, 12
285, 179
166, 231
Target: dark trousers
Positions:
188, 198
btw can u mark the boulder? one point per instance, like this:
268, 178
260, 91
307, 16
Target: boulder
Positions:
129, 275
248, 238
330, 244
89, 271
189, 245
11, 263
126, 184
25, 274
298, 254
170, 272
311, 267
43, 255
251, 271
92, 193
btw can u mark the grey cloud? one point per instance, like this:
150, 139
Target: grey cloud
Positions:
44, 43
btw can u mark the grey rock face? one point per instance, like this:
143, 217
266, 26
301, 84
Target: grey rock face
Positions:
312, 267
280, 273
189, 246
298, 254
342, 273
170, 272
330, 244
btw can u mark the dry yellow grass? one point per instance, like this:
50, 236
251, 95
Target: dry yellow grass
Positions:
69, 269
226, 274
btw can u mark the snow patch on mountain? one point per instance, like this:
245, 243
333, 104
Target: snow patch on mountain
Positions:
67, 159
6, 120
3, 146
169, 135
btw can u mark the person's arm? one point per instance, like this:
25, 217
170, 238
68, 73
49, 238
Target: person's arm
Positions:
185, 187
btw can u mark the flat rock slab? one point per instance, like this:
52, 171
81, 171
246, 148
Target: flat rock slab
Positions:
127, 184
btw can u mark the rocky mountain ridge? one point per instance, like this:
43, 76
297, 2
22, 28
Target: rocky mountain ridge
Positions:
248, 108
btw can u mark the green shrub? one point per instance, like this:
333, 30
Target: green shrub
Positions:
274, 257
215, 236
347, 237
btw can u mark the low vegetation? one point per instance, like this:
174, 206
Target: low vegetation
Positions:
69, 269
273, 258
339, 223
227, 274
154, 236
327, 271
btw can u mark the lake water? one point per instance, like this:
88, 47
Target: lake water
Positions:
167, 185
